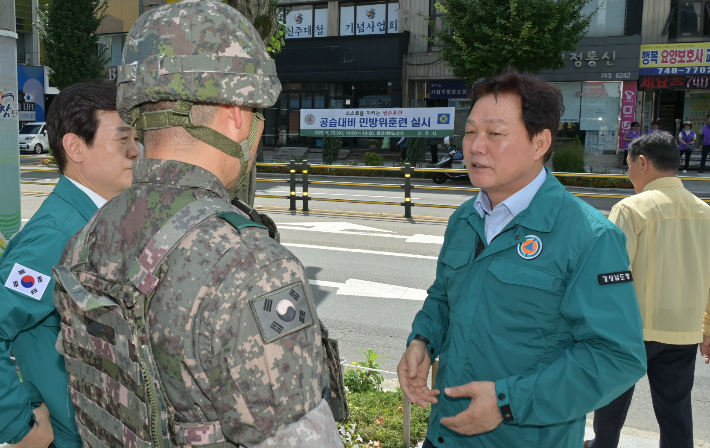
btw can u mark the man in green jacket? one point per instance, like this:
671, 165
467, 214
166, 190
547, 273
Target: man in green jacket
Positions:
94, 150
533, 313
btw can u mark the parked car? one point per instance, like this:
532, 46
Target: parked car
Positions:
33, 137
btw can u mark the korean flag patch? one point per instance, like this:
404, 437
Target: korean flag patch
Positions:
282, 312
27, 281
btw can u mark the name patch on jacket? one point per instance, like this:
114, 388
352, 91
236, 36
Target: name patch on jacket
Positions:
282, 312
615, 277
27, 281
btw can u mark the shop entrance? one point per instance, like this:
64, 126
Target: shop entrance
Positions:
669, 104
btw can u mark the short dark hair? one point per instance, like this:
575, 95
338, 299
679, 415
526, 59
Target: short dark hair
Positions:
542, 103
76, 110
659, 148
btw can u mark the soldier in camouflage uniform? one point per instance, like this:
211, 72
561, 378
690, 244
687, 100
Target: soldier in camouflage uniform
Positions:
183, 323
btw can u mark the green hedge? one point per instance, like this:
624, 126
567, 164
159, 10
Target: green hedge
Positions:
568, 158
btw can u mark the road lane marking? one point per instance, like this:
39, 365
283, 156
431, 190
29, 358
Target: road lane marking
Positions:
345, 228
427, 239
363, 288
360, 251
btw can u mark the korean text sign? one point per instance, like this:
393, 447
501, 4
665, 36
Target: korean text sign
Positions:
415, 122
675, 59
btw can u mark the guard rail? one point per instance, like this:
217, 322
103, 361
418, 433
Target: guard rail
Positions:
304, 167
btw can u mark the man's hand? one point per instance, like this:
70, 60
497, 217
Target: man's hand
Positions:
41, 434
705, 348
482, 414
413, 371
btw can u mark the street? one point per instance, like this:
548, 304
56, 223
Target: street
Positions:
370, 268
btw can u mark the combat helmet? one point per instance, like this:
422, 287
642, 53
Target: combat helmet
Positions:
195, 51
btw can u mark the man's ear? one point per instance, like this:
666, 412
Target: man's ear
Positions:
645, 164
542, 142
229, 120
74, 147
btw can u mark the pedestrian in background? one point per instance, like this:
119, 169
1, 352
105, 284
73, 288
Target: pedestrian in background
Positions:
705, 132
686, 143
654, 128
631, 135
532, 312
434, 150
667, 230
94, 150
402, 143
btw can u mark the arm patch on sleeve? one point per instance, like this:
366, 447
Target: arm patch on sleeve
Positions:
27, 281
281, 312
615, 277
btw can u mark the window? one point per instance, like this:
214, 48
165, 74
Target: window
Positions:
438, 18
609, 19
110, 46
306, 21
363, 18
688, 20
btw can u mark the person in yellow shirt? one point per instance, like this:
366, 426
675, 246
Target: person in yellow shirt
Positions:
667, 229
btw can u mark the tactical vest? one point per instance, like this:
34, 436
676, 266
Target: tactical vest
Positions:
114, 382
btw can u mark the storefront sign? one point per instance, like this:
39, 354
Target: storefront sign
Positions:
675, 59
592, 58
307, 23
599, 59
369, 19
414, 122
628, 108
663, 82
451, 88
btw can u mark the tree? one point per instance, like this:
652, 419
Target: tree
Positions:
416, 150
266, 18
480, 38
331, 149
68, 29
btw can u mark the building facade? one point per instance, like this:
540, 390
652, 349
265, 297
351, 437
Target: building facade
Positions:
640, 61
674, 64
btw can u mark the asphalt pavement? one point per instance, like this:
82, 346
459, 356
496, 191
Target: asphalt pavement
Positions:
370, 267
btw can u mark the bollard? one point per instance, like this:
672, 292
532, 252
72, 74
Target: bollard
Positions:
407, 190
407, 421
292, 185
434, 371
304, 185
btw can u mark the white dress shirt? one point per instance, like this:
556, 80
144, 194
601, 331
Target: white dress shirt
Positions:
503, 213
98, 200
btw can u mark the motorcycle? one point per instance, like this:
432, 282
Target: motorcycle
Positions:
446, 163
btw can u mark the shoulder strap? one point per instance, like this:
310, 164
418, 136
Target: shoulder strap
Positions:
83, 298
142, 271
238, 221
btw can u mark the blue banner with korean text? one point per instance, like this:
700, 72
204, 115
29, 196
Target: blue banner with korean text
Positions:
414, 122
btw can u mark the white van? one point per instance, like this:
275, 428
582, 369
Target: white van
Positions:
33, 137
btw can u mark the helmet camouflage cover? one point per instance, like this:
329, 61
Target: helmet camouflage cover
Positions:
195, 51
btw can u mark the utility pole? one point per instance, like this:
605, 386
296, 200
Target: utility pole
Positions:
10, 216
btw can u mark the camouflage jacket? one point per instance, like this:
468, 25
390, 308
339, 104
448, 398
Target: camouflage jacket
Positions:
226, 340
